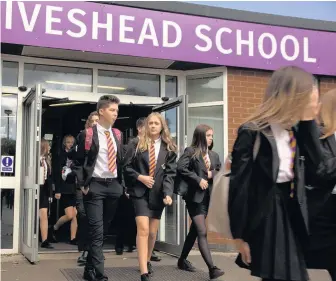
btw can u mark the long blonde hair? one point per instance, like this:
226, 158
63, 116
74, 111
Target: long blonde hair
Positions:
287, 94
45, 146
144, 137
328, 113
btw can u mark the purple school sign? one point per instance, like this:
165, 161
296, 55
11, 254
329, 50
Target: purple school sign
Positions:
128, 31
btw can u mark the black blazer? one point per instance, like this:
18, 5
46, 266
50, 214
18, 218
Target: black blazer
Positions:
253, 182
61, 186
323, 179
85, 160
165, 173
192, 170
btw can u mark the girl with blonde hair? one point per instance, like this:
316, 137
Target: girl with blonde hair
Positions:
150, 169
267, 204
321, 193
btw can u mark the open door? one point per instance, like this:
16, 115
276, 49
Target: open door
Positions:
32, 107
173, 224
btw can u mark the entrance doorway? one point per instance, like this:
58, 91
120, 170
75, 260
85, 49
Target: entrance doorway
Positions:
53, 118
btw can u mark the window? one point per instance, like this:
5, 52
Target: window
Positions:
213, 117
137, 84
10, 72
58, 77
171, 86
8, 132
7, 218
205, 88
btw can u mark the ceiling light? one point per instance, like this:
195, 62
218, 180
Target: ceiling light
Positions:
84, 85
67, 103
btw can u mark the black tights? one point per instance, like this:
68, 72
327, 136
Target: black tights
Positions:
198, 230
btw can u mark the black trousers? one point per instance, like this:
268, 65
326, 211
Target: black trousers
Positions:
83, 224
102, 197
126, 225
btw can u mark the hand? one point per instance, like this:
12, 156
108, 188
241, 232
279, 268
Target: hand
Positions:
58, 196
209, 174
168, 200
85, 190
203, 184
147, 181
245, 252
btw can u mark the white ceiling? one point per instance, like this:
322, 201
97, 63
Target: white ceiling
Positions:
62, 54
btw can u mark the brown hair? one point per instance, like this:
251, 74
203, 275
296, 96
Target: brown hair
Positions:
106, 100
44, 152
286, 97
328, 113
145, 140
88, 122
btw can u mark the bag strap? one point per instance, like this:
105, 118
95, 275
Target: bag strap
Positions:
88, 139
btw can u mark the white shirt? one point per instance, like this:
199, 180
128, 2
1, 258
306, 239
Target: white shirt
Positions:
101, 169
157, 145
282, 140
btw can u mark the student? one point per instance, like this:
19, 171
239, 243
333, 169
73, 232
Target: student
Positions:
126, 225
150, 169
267, 204
197, 167
65, 189
45, 193
83, 227
99, 175
321, 193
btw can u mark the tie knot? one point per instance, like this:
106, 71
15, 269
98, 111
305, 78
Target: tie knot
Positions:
107, 133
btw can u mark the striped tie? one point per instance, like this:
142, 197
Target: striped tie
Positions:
152, 161
206, 161
112, 157
292, 143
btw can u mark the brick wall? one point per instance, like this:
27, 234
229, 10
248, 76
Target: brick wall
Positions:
245, 91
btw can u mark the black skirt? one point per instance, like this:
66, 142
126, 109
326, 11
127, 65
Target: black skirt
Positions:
322, 248
196, 209
142, 208
277, 243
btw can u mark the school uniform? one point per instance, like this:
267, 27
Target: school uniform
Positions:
99, 170
267, 200
67, 188
321, 195
149, 201
192, 169
46, 188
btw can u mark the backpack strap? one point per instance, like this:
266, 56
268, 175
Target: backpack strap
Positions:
88, 138
117, 133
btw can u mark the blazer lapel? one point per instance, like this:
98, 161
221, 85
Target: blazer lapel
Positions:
161, 158
95, 139
332, 143
275, 156
201, 162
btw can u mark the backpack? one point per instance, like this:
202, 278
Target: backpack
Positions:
89, 134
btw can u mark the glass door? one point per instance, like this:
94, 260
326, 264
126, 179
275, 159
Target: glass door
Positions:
31, 138
172, 230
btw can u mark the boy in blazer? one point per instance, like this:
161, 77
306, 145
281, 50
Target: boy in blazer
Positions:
99, 176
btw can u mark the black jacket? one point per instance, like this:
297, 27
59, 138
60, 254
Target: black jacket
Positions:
191, 170
61, 186
165, 172
85, 160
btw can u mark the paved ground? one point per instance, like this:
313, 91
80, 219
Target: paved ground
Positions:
16, 268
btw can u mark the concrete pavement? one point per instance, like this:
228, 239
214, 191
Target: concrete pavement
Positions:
17, 268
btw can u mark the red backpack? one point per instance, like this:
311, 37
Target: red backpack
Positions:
89, 134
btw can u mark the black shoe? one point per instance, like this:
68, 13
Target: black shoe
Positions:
215, 272
130, 249
186, 265
89, 275
145, 277
82, 259
45, 244
154, 257
73, 242
150, 268
119, 251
